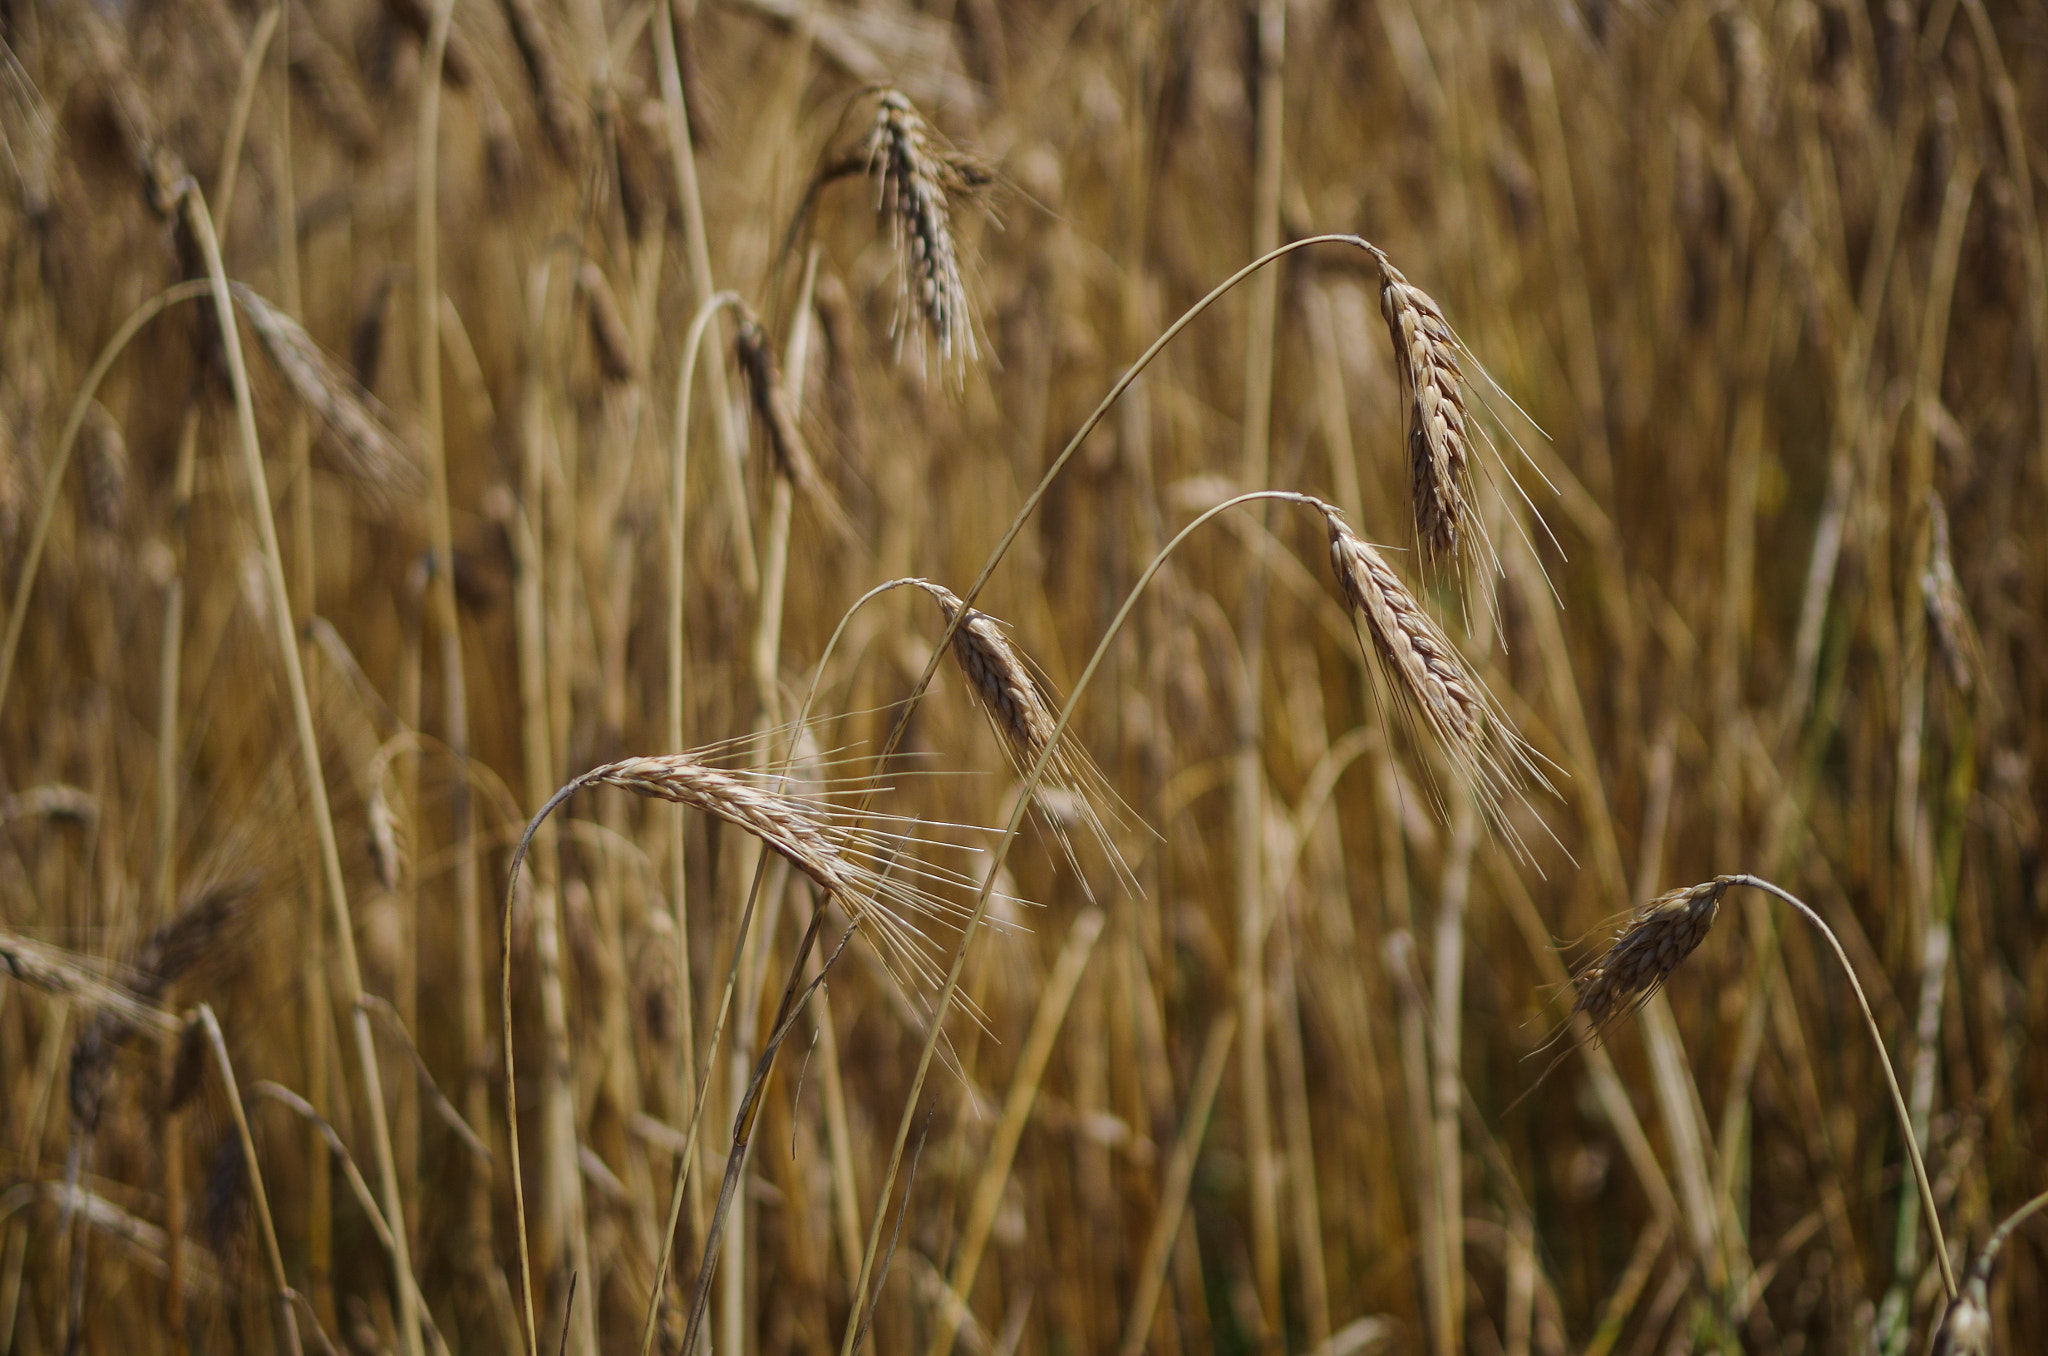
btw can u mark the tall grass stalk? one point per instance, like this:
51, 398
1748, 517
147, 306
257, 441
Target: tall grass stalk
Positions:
194, 207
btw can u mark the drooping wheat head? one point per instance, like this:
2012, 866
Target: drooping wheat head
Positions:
771, 404
610, 340
1432, 681
1658, 938
913, 181
357, 422
1021, 709
203, 929
1428, 361
872, 865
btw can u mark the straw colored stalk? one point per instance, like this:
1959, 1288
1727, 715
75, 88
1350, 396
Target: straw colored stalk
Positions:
1432, 681
1965, 1327
913, 180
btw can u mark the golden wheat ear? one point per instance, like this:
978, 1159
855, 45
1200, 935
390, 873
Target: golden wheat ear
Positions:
1658, 938
1433, 684
358, 426
1439, 378
1021, 708
915, 181
1433, 401
879, 868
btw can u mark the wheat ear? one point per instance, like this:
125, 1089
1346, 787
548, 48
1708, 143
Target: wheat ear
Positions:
772, 406
1020, 708
1426, 360
1431, 679
1658, 938
359, 424
912, 183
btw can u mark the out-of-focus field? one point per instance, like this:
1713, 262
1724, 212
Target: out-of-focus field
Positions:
1773, 598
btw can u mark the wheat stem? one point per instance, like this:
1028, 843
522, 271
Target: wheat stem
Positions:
678, 563
309, 745
1891, 1079
698, 246
1002, 1148
1248, 773
272, 1253
1178, 1177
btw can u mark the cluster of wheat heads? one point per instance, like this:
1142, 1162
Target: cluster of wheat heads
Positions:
727, 333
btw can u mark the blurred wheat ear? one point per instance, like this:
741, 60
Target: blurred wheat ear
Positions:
914, 180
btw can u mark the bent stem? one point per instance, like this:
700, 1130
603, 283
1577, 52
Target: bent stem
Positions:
678, 525
81, 404
854, 1324
1891, 1079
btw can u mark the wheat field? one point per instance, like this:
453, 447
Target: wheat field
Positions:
800, 675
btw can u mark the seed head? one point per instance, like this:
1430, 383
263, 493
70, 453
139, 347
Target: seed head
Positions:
1431, 679
913, 179
1656, 941
1427, 361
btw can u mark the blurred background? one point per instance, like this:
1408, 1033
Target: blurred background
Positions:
1770, 277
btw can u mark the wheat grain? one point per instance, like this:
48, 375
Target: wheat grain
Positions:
999, 678
784, 823
332, 88
868, 864
541, 59
770, 400
608, 333
56, 971
1427, 362
1021, 710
